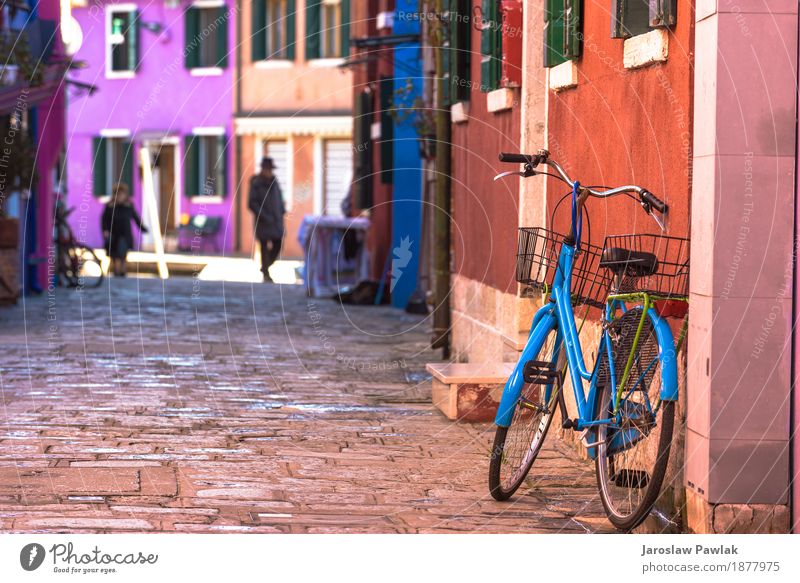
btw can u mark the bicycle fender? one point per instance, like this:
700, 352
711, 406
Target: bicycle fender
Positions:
667, 356
544, 321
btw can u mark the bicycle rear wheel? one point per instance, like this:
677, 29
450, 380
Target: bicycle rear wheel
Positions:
517, 446
84, 269
633, 452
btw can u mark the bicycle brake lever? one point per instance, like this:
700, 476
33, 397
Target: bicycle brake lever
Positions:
509, 173
658, 221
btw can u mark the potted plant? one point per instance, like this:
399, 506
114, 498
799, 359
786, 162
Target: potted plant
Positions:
17, 157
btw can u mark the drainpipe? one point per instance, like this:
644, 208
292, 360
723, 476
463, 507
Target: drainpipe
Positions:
237, 148
441, 199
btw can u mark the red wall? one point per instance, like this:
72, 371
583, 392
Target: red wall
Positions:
623, 126
485, 213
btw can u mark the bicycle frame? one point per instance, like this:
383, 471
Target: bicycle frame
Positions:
558, 314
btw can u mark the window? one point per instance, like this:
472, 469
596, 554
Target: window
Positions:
205, 162
634, 17
327, 29
460, 48
278, 150
206, 42
122, 40
273, 29
491, 45
338, 173
562, 31
112, 163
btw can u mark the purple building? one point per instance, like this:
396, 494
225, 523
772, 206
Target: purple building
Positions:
161, 77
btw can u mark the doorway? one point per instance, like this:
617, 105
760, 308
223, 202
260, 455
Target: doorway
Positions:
164, 164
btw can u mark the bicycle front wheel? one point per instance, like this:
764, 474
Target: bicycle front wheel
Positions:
517, 446
86, 270
633, 450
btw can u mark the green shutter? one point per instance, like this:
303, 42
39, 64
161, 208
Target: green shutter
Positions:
313, 23
460, 49
222, 36
572, 29
491, 46
663, 13
222, 165
630, 17
345, 30
99, 162
362, 175
126, 172
191, 43
387, 130
258, 31
133, 42
291, 25
191, 167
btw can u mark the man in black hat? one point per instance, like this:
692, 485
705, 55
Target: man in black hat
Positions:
266, 203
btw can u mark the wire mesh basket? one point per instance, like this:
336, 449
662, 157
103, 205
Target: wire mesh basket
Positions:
537, 262
670, 279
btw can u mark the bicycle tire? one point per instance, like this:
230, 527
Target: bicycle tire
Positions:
501, 459
84, 255
638, 435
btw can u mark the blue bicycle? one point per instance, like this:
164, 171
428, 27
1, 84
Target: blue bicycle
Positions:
626, 419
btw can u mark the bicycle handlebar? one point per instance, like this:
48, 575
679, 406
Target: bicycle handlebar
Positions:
648, 200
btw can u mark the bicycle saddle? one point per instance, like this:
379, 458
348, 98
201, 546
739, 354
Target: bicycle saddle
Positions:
631, 263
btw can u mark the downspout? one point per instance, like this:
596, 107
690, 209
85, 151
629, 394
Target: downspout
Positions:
441, 207
237, 153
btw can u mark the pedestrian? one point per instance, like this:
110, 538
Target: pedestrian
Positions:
117, 231
266, 203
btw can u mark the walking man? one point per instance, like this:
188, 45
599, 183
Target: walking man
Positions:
266, 203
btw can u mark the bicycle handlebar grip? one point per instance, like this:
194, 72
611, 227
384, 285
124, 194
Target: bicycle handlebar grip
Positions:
518, 158
651, 199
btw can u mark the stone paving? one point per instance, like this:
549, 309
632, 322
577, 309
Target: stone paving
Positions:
215, 407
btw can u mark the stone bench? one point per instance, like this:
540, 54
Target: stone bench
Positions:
468, 391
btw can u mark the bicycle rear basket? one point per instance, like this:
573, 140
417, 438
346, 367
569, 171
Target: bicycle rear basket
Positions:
537, 262
671, 276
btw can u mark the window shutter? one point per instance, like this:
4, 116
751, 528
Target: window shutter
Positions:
291, 26
313, 22
258, 31
362, 175
222, 165
192, 41
345, 30
191, 167
663, 13
126, 173
629, 18
387, 130
460, 49
99, 178
491, 46
553, 32
133, 41
222, 37
510, 34
572, 29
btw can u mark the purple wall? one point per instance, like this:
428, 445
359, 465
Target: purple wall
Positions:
163, 96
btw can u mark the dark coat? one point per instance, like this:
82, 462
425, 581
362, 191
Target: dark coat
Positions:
117, 222
266, 203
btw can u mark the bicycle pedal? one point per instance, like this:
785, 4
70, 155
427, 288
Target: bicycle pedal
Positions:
568, 423
537, 372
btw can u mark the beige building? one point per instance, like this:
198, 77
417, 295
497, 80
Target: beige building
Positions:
294, 104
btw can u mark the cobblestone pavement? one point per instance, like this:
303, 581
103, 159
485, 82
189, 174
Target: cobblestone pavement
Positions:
208, 407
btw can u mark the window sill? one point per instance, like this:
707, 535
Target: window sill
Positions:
459, 112
563, 76
325, 62
646, 49
500, 100
274, 64
120, 74
206, 72
203, 199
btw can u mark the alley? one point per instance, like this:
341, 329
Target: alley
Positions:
215, 407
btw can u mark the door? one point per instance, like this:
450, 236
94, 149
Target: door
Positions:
338, 155
162, 164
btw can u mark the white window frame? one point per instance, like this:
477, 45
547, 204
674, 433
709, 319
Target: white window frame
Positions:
112, 9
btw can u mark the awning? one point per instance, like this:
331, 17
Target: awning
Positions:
329, 126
